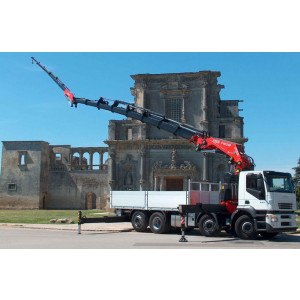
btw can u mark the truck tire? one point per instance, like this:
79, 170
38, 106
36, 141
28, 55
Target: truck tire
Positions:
245, 229
268, 235
139, 221
158, 223
208, 225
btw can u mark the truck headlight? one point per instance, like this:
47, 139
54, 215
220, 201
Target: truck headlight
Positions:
274, 218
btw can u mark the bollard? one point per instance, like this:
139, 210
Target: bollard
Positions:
182, 239
79, 222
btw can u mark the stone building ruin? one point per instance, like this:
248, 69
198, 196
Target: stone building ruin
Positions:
137, 157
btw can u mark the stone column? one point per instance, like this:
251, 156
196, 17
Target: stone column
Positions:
112, 155
155, 183
183, 113
139, 93
101, 160
91, 160
204, 107
161, 184
142, 168
80, 159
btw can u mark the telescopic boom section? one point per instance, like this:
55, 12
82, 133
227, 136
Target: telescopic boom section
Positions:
68, 94
200, 138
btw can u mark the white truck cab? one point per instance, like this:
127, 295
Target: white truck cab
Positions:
268, 198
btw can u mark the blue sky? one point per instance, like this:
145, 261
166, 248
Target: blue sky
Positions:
32, 107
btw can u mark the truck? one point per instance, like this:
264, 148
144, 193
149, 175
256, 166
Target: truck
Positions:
247, 203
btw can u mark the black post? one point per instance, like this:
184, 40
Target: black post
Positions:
79, 222
182, 239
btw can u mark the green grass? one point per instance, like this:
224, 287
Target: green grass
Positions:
43, 216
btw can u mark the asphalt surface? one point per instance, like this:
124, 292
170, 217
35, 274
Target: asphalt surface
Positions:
121, 236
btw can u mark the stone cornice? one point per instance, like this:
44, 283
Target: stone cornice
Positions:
166, 142
186, 74
149, 142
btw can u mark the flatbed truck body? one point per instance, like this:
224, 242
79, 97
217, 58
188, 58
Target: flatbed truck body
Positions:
259, 206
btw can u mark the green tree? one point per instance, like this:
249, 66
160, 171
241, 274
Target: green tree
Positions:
296, 181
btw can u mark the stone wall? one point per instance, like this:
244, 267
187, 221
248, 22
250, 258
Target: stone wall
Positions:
22, 179
69, 190
37, 175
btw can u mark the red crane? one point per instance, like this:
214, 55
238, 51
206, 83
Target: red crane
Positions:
236, 152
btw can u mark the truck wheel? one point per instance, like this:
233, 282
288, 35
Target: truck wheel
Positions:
268, 235
244, 228
208, 226
157, 223
139, 221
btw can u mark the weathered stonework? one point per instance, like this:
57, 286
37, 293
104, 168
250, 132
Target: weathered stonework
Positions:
197, 101
51, 177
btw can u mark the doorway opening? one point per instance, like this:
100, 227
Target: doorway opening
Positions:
174, 183
90, 201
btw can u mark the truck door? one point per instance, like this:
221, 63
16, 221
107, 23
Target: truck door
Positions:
255, 194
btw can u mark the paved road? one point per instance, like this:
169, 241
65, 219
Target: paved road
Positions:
13, 238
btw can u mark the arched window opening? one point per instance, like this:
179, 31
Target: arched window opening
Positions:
85, 161
76, 161
105, 157
96, 161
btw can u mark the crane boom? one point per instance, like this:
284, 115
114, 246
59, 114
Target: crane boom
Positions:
201, 139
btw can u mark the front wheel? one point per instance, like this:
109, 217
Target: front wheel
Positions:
245, 229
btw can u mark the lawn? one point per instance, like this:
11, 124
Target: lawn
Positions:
43, 216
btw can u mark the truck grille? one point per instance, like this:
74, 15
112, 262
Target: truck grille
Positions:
285, 205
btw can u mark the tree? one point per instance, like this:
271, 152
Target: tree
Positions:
296, 181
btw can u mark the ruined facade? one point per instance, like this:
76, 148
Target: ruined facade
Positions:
145, 158
141, 157
38, 175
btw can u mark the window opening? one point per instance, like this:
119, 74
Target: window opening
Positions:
22, 159
75, 161
255, 186
96, 161
12, 187
58, 157
86, 159
174, 109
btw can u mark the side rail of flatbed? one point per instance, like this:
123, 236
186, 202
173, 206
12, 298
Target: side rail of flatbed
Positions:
148, 200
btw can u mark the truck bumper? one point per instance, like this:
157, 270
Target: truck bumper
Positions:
269, 228
281, 222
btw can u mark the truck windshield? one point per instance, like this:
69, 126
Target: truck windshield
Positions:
279, 183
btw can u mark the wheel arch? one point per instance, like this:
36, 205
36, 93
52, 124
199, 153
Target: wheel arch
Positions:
163, 212
146, 212
206, 213
249, 211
